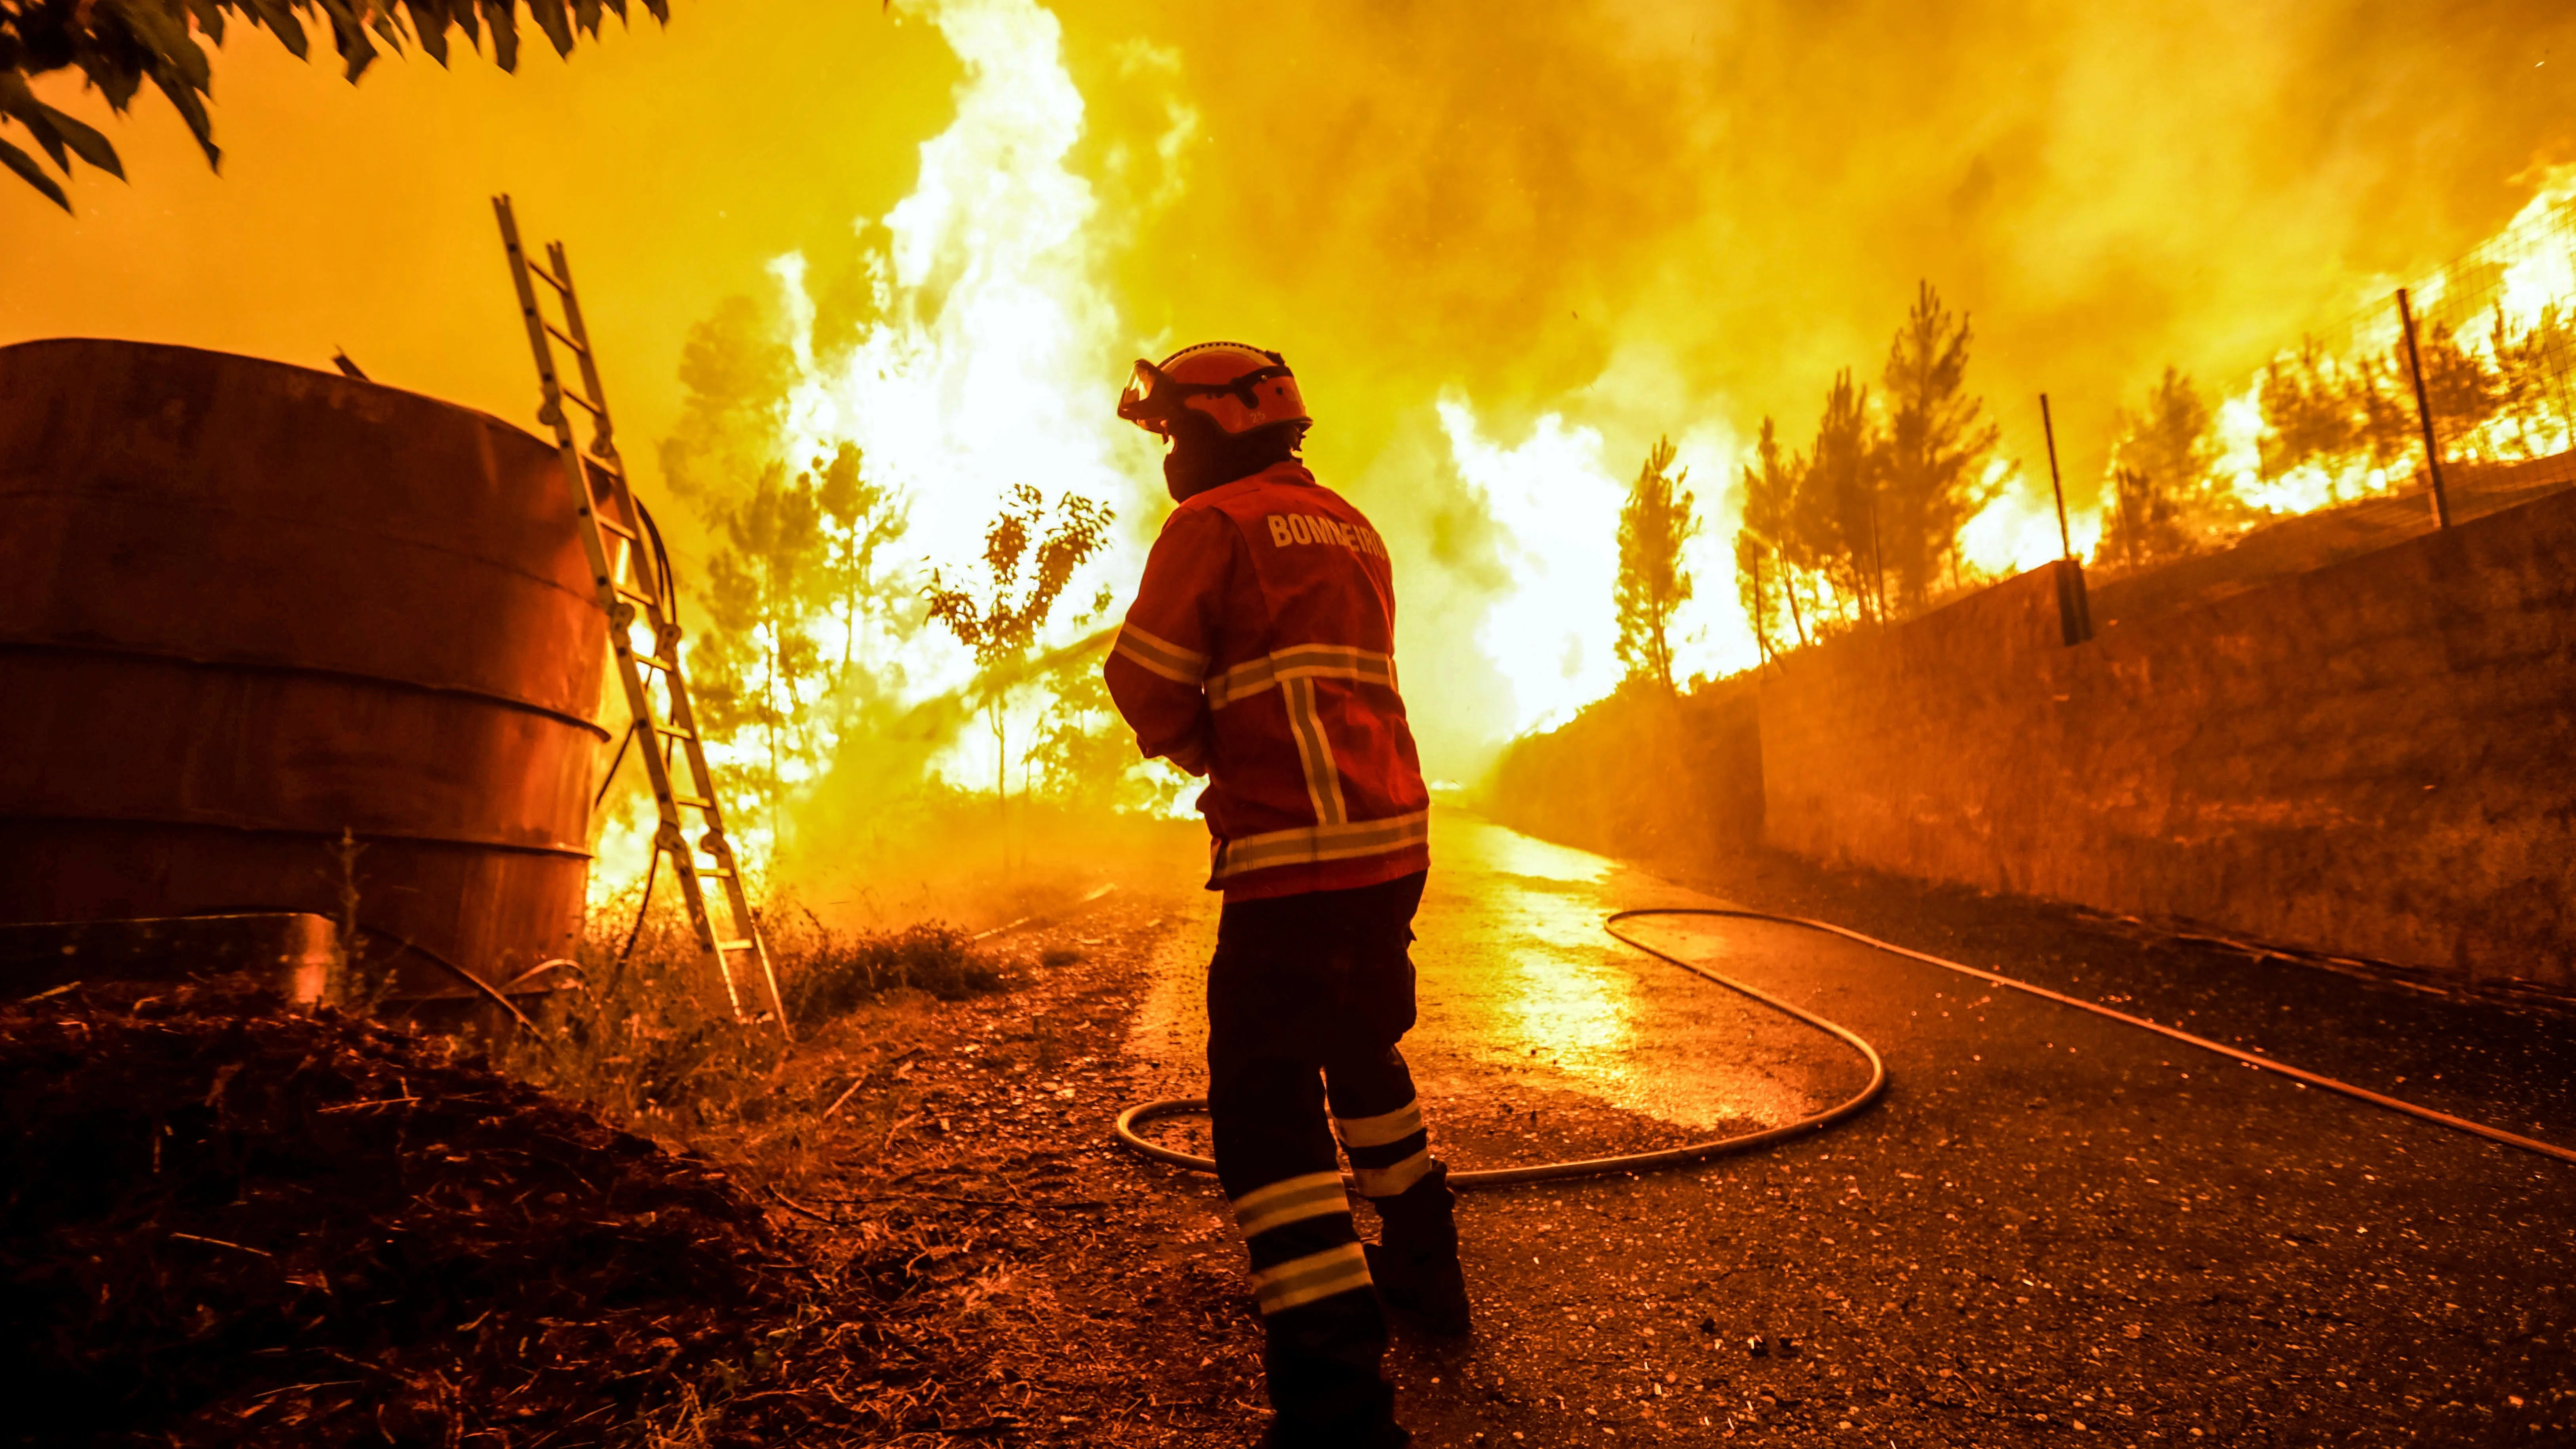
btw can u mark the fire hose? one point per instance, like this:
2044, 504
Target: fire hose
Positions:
1129, 1120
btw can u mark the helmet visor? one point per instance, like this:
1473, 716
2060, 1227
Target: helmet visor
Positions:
1139, 405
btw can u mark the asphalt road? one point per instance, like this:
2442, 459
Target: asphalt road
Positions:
2052, 1229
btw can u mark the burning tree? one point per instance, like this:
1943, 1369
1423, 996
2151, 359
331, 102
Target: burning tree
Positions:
798, 564
1655, 523
734, 376
860, 517
2531, 379
1082, 753
762, 649
2165, 486
1024, 574
2497, 392
2307, 412
2462, 387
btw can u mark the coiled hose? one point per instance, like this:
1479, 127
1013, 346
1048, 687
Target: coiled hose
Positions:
1128, 1121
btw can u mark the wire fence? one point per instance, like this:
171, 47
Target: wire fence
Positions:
2492, 363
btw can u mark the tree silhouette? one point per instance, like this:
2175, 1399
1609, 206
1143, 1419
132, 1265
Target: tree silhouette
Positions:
1838, 500
759, 654
1654, 525
1770, 551
1937, 444
798, 555
1024, 573
2164, 488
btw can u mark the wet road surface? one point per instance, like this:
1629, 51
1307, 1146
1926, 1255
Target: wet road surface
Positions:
2053, 1229
1527, 1005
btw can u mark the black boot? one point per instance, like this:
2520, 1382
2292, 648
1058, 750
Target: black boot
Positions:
1416, 1269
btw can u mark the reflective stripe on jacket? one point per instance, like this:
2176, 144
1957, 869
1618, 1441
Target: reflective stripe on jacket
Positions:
1260, 652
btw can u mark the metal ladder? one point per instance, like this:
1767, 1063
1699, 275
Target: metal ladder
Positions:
600, 489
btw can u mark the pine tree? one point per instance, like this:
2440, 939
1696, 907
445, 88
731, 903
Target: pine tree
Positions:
2165, 489
1837, 509
2463, 390
1754, 586
1765, 555
1654, 525
2529, 380
1937, 445
2308, 413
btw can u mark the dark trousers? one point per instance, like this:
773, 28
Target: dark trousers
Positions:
1307, 997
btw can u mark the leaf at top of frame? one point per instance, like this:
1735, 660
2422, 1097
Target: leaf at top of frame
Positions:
429, 23
33, 174
552, 19
85, 141
283, 23
501, 17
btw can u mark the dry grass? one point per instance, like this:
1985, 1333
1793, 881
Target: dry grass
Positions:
645, 1038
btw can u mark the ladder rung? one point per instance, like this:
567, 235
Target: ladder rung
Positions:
587, 475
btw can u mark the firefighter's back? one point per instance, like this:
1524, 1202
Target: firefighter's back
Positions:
1317, 782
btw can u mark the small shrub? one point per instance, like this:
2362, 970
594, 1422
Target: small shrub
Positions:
824, 972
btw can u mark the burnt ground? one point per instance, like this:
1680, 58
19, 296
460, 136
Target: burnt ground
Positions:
2051, 1230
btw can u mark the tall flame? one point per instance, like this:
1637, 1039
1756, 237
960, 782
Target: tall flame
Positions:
992, 351
1552, 631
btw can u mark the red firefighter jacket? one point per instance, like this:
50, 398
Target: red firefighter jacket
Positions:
1261, 653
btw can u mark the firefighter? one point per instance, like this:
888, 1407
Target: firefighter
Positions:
1260, 654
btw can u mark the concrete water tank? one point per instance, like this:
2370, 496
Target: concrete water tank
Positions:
246, 607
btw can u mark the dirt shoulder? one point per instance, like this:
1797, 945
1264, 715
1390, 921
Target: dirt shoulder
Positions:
1036, 1284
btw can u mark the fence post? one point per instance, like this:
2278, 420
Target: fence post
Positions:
2074, 610
2424, 412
